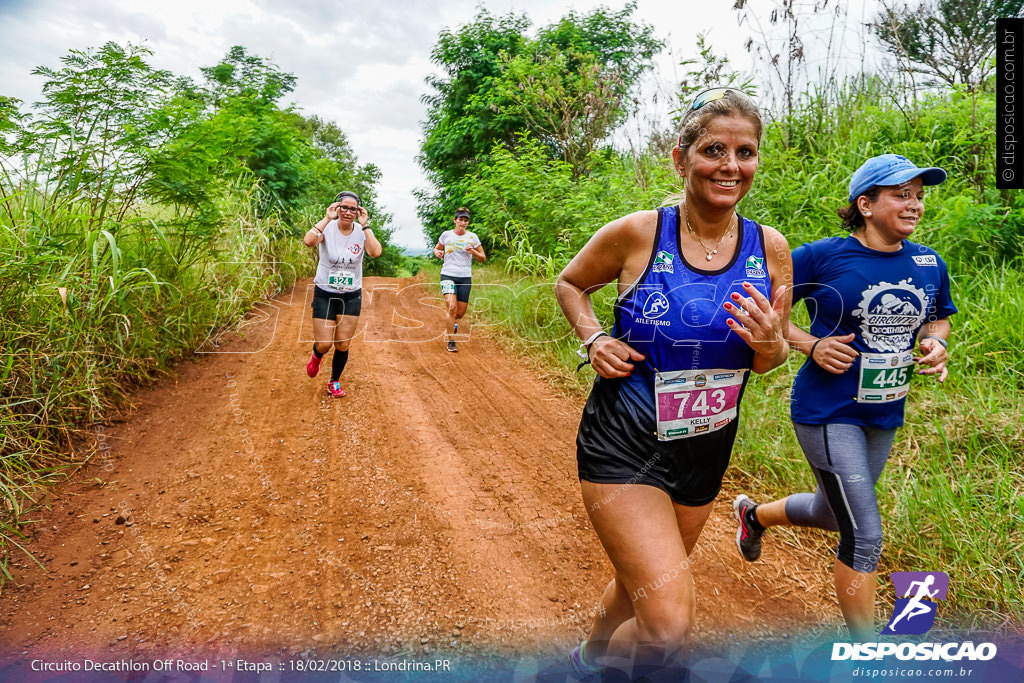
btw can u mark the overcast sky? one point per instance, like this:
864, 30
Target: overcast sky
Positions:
360, 64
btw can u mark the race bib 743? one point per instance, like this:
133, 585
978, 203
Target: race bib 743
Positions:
694, 402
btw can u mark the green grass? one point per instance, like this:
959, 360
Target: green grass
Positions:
952, 495
87, 311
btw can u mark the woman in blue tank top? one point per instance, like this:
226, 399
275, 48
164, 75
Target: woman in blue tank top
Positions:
871, 296
695, 313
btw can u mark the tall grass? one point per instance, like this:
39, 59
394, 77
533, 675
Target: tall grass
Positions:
90, 308
952, 496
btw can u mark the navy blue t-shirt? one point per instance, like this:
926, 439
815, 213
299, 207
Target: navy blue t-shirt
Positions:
884, 298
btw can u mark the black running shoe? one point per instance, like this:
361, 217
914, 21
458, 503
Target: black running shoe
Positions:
747, 540
452, 347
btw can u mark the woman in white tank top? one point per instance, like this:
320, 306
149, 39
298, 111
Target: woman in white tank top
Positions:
337, 291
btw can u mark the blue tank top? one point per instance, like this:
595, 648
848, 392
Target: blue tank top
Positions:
673, 313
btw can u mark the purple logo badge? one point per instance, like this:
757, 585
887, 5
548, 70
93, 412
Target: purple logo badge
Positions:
916, 593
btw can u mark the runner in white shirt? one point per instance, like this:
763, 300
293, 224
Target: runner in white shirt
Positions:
338, 290
458, 248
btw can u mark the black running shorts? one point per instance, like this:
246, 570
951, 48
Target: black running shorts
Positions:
462, 287
329, 305
617, 443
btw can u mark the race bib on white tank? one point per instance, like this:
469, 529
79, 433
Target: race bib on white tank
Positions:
341, 279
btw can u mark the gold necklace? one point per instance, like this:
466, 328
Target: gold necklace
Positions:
709, 252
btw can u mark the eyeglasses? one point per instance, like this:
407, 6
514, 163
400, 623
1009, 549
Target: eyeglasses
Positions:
348, 209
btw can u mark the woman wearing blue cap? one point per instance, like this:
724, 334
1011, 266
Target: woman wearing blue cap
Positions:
871, 297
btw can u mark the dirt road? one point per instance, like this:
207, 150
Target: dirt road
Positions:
434, 509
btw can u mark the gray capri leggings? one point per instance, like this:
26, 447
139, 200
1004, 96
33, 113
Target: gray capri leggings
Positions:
847, 461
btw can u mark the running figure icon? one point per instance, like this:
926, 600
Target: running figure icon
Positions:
914, 607
916, 602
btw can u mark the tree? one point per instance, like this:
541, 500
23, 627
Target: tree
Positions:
462, 122
568, 87
240, 74
618, 44
707, 71
95, 123
569, 109
571, 85
246, 89
951, 41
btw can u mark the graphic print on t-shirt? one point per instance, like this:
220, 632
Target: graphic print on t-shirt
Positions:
460, 243
890, 315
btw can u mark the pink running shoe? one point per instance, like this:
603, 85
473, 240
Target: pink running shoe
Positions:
313, 366
335, 389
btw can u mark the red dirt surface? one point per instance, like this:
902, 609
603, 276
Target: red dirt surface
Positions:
435, 508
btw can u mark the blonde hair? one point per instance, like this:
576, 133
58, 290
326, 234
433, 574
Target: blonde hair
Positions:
696, 121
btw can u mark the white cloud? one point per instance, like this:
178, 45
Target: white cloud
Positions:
360, 64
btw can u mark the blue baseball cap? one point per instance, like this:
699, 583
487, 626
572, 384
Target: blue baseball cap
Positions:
890, 169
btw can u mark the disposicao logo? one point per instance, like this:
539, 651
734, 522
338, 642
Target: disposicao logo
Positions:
914, 614
916, 593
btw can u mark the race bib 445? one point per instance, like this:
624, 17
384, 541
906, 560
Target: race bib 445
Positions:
884, 377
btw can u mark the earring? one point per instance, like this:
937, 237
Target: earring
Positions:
867, 214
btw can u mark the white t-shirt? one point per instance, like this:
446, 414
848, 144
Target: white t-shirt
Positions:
457, 261
340, 268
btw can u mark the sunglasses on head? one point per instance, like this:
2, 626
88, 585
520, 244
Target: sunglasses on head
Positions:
710, 95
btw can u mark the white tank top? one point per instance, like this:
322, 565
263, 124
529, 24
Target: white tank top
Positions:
340, 268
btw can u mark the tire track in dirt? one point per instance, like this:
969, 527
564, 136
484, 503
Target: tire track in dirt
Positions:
434, 508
